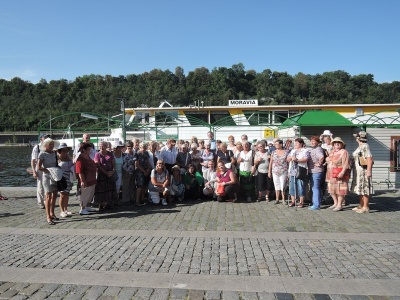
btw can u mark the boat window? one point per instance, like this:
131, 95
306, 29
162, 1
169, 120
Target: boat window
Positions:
281, 116
197, 117
166, 118
223, 117
257, 117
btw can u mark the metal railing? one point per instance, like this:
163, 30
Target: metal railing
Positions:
390, 171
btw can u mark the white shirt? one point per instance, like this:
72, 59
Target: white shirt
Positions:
168, 155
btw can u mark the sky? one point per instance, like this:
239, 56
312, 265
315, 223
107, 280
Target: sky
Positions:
55, 40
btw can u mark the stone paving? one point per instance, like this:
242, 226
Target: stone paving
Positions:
200, 250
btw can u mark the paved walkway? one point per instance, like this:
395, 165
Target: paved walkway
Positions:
200, 250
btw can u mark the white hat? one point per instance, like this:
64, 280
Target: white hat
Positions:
327, 132
118, 144
64, 145
47, 141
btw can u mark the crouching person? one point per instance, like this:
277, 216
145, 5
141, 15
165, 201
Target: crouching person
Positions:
177, 188
159, 183
227, 184
209, 176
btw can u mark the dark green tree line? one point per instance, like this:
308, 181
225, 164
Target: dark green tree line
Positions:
25, 105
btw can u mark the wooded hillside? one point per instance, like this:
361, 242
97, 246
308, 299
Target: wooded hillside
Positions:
25, 105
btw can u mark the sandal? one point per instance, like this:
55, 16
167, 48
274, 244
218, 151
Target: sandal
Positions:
301, 205
51, 222
276, 201
267, 198
3, 198
258, 199
291, 204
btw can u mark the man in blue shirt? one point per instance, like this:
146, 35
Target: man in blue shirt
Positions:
212, 141
168, 154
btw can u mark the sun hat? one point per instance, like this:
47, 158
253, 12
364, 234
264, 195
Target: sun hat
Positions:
361, 136
62, 146
118, 144
327, 132
176, 167
338, 140
47, 141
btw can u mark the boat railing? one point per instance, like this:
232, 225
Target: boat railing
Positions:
387, 182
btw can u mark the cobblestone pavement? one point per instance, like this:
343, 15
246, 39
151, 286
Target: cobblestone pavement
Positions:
200, 250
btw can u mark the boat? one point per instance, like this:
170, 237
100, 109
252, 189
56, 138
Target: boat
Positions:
72, 141
236, 118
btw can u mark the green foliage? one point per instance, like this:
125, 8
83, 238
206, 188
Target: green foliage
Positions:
24, 106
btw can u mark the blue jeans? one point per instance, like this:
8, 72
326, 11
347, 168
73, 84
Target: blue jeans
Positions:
316, 179
300, 187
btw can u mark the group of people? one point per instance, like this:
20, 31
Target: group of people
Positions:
327, 162
139, 173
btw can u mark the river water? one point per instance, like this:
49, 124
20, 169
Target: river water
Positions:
15, 162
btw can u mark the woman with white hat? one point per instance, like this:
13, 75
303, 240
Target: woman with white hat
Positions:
65, 163
48, 159
338, 173
119, 159
362, 173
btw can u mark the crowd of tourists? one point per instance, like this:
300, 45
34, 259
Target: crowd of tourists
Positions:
153, 173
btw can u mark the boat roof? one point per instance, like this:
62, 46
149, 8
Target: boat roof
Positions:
311, 118
368, 108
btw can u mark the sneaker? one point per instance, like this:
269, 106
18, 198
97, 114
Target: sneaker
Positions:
164, 201
84, 212
91, 209
40, 205
313, 208
356, 208
63, 214
337, 209
69, 214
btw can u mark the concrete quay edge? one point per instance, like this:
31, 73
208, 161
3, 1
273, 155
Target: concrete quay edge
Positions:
277, 284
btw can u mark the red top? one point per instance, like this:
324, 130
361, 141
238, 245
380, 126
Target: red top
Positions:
88, 168
224, 177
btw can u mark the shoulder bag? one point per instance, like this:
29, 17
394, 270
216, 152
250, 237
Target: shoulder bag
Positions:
301, 172
114, 177
62, 184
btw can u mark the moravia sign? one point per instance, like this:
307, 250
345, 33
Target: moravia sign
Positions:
243, 102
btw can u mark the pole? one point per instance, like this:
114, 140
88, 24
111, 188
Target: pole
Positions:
123, 119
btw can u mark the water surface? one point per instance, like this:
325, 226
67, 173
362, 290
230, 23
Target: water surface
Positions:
15, 162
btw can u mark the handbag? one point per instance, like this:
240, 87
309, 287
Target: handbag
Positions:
336, 171
62, 184
362, 160
220, 190
301, 172
114, 177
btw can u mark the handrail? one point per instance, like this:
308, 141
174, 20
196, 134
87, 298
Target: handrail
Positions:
387, 180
